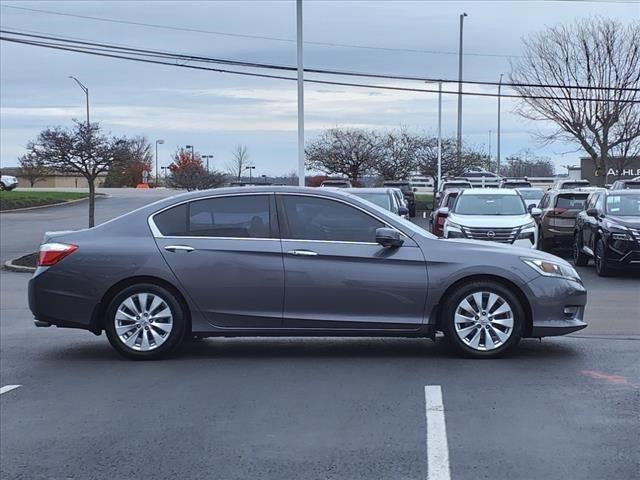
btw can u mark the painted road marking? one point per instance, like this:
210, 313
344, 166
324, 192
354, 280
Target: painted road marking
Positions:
437, 447
8, 388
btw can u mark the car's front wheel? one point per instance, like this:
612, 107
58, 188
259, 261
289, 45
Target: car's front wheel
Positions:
483, 319
145, 321
600, 260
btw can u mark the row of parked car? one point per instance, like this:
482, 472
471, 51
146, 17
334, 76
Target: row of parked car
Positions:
597, 223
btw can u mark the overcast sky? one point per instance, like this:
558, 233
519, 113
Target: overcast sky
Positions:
216, 111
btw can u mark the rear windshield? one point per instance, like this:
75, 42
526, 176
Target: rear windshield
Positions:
569, 185
531, 194
456, 185
631, 185
405, 187
571, 201
516, 184
381, 199
495, 204
624, 205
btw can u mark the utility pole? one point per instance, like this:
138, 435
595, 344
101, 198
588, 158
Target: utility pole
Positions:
193, 153
490, 132
158, 142
498, 146
207, 158
459, 139
301, 181
439, 134
86, 92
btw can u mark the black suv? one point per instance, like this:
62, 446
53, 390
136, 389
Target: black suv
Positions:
407, 191
609, 231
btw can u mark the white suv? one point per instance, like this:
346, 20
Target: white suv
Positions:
7, 182
493, 214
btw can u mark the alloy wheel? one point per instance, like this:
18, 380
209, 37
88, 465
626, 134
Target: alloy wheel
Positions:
484, 321
143, 321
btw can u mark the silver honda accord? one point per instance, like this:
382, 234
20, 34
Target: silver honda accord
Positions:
290, 261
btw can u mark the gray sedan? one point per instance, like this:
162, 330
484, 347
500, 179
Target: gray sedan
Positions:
289, 261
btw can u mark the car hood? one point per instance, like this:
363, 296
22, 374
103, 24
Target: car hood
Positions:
626, 221
490, 221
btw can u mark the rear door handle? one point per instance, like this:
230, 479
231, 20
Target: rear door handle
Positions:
179, 248
303, 253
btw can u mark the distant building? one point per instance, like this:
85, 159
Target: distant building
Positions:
54, 180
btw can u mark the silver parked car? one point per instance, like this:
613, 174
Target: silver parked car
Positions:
388, 198
292, 261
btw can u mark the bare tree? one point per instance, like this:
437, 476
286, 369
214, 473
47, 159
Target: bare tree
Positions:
240, 161
398, 159
526, 164
33, 168
135, 156
82, 149
349, 152
601, 55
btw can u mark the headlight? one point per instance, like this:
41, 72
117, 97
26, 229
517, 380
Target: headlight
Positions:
552, 269
619, 233
453, 230
528, 226
528, 231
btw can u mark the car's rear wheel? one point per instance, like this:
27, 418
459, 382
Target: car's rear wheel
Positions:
580, 259
2, 187
600, 260
483, 319
145, 321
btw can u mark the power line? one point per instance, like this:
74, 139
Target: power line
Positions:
253, 37
118, 55
157, 53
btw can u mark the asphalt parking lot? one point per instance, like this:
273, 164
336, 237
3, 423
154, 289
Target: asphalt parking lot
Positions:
562, 408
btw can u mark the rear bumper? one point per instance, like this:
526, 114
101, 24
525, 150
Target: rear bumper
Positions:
558, 235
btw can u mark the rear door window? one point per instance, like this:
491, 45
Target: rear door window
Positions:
232, 216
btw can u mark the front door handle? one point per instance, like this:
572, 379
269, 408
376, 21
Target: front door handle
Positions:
303, 253
179, 248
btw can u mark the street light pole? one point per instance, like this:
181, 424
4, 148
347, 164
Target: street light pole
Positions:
86, 92
301, 181
193, 153
439, 134
498, 146
207, 157
250, 168
459, 139
157, 173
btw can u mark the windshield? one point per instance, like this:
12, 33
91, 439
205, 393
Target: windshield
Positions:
381, 199
531, 194
624, 205
489, 204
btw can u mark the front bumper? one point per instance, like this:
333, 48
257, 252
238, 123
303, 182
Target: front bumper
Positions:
623, 254
551, 299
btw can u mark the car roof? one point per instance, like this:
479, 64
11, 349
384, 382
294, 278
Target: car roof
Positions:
369, 190
490, 191
528, 189
626, 191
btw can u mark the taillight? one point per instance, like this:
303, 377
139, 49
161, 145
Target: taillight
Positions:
52, 253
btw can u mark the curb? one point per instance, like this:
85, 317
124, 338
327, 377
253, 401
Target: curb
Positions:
9, 265
70, 202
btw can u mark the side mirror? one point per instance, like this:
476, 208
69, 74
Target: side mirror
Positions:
388, 237
592, 212
443, 212
535, 211
403, 211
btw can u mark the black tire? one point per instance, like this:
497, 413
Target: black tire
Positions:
412, 211
543, 244
448, 318
600, 260
2, 187
171, 341
580, 259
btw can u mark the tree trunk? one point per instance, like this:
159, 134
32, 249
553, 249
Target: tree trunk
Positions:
92, 201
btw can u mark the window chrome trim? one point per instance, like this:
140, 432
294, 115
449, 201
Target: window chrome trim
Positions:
158, 234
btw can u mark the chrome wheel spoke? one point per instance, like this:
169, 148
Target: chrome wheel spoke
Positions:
477, 326
139, 326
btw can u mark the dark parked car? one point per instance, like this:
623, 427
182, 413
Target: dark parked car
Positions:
292, 261
625, 185
609, 231
556, 225
407, 191
438, 216
383, 197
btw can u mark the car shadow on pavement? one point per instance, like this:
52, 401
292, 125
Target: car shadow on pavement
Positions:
316, 348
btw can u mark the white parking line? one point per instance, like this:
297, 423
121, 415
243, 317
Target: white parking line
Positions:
8, 388
437, 447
